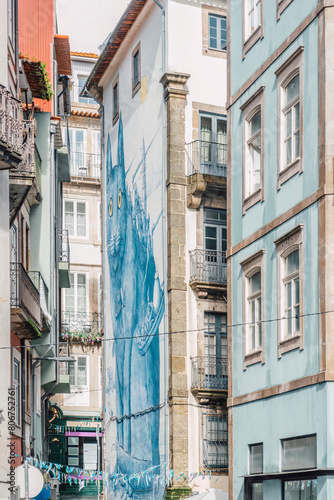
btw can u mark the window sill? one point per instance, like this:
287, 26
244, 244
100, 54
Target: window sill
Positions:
289, 344
254, 357
294, 168
252, 199
222, 54
136, 89
281, 6
251, 40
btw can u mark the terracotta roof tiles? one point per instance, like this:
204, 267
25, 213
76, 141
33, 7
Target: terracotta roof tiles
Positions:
85, 54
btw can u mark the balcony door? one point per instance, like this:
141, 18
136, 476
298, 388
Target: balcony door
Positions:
76, 304
215, 350
214, 245
213, 144
78, 152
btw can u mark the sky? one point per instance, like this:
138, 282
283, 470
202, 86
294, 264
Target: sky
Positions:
88, 22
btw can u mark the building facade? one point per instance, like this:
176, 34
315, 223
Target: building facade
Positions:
79, 413
33, 166
164, 241
279, 251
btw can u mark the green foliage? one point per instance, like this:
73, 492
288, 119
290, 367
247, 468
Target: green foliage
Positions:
45, 80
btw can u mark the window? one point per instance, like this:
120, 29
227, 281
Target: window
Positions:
78, 152
215, 442
79, 381
115, 100
213, 145
217, 32
214, 257
100, 379
296, 490
136, 70
290, 290
253, 308
256, 458
76, 297
254, 312
214, 31
290, 117
281, 6
253, 151
253, 23
80, 86
17, 387
215, 351
11, 21
299, 453
76, 218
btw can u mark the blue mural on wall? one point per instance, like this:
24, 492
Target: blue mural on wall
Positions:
137, 307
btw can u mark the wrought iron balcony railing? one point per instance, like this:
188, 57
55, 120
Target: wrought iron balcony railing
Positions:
85, 164
82, 325
27, 166
215, 441
208, 266
24, 294
40, 285
206, 157
64, 246
11, 124
209, 373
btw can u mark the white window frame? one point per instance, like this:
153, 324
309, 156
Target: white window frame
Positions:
219, 20
75, 225
136, 85
75, 288
250, 469
76, 398
250, 266
76, 98
100, 379
16, 359
292, 67
75, 164
249, 109
285, 246
99, 208
251, 36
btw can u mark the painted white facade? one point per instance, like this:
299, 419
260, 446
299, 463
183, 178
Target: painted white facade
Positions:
144, 129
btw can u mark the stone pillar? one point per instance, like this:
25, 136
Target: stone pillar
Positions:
175, 95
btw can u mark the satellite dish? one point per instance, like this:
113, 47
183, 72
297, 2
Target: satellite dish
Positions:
35, 480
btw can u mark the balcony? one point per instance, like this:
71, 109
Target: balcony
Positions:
64, 259
86, 165
26, 316
83, 326
206, 170
209, 376
40, 285
11, 134
25, 180
208, 272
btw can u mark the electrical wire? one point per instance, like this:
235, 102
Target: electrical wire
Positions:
159, 334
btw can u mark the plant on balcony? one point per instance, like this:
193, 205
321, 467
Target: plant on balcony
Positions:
88, 338
45, 80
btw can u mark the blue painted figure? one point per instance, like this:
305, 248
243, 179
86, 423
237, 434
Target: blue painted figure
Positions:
137, 305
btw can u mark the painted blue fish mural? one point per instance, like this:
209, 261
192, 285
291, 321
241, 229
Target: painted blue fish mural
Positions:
137, 307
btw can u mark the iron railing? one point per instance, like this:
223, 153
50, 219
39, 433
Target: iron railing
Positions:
209, 373
64, 246
85, 164
206, 157
24, 294
215, 441
27, 165
11, 124
81, 324
40, 285
38, 168
208, 266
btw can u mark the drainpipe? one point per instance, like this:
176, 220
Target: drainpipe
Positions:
164, 221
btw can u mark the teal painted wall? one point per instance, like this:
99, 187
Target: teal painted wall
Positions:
291, 414
293, 191
275, 33
294, 364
